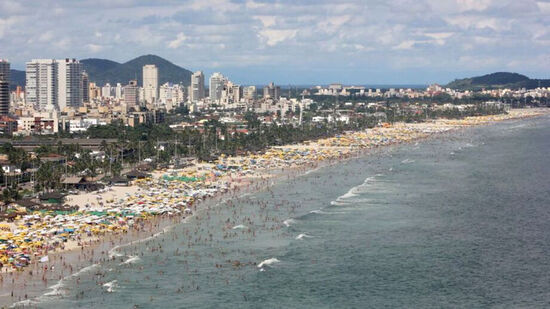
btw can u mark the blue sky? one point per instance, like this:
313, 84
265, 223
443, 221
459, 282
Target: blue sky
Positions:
291, 41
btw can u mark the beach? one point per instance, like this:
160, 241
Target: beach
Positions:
120, 215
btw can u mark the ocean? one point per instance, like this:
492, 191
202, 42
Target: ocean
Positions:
461, 220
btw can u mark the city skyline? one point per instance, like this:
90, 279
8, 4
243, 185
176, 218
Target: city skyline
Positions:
255, 42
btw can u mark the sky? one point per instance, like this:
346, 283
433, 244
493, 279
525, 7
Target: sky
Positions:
291, 41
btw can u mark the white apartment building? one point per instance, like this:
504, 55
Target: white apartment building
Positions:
118, 91
196, 92
107, 91
150, 83
56, 83
217, 83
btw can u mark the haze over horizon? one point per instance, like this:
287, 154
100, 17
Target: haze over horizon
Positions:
311, 42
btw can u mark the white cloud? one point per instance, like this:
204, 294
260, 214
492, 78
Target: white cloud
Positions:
94, 48
180, 39
409, 44
544, 7
6, 24
267, 21
274, 36
473, 5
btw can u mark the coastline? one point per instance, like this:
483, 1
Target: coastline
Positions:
103, 248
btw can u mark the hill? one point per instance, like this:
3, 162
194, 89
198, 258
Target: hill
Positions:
498, 80
17, 78
103, 71
96, 67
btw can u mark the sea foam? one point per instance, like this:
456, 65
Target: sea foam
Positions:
133, 259
288, 222
268, 262
302, 236
111, 286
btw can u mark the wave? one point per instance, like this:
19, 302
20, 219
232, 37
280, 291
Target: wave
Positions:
268, 262
240, 226
133, 259
288, 222
56, 290
311, 171
351, 193
320, 212
302, 236
111, 286
113, 253
407, 161
339, 203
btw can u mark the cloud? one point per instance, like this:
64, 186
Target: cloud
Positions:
267, 21
276, 36
287, 39
409, 44
94, 48
473, 5
178, 41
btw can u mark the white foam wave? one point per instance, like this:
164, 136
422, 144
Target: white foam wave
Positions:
56, 290
288, 222
24, 303
133, 259
303, 235
319, 212
113, 253
268, 262
111, 286
239, 227
407, 161
339, 203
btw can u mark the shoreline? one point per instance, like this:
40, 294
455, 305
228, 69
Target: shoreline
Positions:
106, 246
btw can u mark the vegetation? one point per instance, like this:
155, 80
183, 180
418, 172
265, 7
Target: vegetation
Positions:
498, 80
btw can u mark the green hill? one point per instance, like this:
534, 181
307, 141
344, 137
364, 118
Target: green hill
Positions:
102, 71
17, 78
498, 80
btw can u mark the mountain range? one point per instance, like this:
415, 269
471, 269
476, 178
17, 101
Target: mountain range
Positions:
498, 80
102, 71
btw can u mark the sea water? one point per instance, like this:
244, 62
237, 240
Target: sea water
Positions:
462, 220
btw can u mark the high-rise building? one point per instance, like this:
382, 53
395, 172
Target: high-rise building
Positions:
4, 87
4, 98
56, 83
150, 83
41, 83
107, 91
217, 83
196, 92
69, 83
118, 91
94, 92
131, 94
4, 70
249, 93
272, 92
237, 92
85, 88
